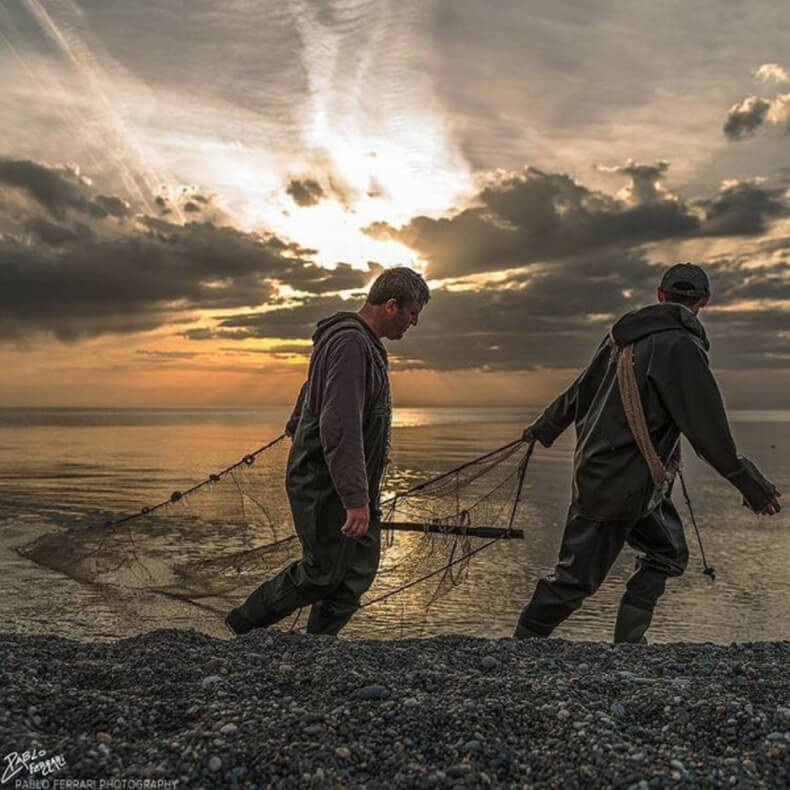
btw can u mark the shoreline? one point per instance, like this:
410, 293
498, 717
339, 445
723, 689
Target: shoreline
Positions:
183, 709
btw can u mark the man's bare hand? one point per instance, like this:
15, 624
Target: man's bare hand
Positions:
772, 507
357, 521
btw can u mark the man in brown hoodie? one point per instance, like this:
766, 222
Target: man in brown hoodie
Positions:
340, 428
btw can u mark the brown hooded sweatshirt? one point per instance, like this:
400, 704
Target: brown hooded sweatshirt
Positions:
347, 376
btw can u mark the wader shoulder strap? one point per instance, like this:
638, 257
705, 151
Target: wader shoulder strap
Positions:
635, 414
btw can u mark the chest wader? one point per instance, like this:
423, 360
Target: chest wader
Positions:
334, 570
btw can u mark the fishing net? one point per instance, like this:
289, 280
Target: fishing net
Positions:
213, 543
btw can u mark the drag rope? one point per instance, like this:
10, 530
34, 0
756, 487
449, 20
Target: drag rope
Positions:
708, 570
247, 460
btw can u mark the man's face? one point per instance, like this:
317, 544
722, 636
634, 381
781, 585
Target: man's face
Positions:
401, 318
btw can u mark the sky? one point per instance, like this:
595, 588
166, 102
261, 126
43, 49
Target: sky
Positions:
187, 188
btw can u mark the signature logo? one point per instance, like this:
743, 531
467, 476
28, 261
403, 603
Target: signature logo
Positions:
34, 761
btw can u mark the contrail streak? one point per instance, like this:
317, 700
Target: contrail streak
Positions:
85, 62
67, 118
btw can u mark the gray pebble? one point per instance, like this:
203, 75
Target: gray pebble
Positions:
311, 728
372, 692
488, 663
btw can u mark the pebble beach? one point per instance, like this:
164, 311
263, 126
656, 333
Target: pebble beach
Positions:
181, 709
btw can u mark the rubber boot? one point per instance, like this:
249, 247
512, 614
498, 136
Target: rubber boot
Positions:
522, 632
632, 623
237, 624
325, 622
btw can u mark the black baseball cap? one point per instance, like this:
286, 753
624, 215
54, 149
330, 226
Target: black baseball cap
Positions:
685, 279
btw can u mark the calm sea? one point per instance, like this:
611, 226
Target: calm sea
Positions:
63, 468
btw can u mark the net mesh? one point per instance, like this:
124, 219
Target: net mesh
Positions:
214, 543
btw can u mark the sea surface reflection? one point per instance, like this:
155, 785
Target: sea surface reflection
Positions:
70, 469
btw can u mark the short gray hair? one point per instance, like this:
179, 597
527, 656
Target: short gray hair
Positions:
402, 284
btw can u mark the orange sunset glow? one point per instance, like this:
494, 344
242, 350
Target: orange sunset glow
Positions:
175, 220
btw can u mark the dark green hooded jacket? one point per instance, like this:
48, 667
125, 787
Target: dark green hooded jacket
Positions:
611, 481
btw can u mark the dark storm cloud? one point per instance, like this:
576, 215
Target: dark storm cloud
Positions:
65, 270
742, 208
55, 234
749, 339
75, 274
201, 333
58, 190
508, 327
745, 117
166, 356
317, 280
534, 216
297, 322
306, 192
127, 284
112, 206
645, 180
553, 318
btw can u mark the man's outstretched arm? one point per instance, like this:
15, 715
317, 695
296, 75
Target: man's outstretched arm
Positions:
556, 417
694, 401
561, 412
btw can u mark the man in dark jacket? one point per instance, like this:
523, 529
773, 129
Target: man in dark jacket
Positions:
615, 500
340, 429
